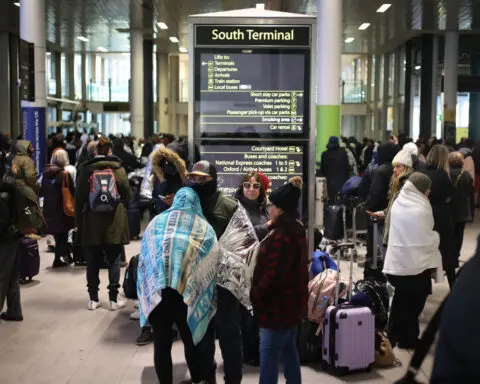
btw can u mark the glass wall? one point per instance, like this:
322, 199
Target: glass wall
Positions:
78, 76
50, 72
64, 74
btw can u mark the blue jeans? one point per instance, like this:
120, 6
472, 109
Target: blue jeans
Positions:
276, 345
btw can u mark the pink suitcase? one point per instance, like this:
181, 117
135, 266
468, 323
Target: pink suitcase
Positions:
348, 338
348, 330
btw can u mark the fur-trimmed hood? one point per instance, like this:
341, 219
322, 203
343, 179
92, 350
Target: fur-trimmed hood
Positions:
171, 157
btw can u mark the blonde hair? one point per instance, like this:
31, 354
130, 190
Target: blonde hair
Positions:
60, 158
92, 147
438, 157
395, 185
455, 158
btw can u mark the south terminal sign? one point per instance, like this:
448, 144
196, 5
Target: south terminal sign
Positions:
255, 35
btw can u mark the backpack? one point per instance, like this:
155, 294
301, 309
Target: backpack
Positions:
321, 261
321, 294
7, 185
103, 196
379, 300
130, 280
351, 186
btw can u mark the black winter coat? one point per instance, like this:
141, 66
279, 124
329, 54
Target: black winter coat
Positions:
457, 352
51, 190
377, 199
257, 213
462, 193
441, 199
335, 167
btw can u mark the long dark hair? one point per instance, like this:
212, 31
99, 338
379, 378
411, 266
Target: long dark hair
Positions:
246, 178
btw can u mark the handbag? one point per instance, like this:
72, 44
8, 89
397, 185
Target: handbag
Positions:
68, 199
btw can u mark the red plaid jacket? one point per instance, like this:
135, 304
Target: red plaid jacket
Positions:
280, 282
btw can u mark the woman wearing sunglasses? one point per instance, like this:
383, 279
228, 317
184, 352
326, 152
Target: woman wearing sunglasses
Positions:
251, 194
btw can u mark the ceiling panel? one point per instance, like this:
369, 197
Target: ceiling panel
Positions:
98, 20
106, 22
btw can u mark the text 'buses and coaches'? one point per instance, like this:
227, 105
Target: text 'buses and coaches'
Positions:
278, 162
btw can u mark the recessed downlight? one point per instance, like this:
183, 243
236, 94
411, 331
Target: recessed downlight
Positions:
173, 39
162, 25
364, 26
82, 38
182, 50
349, 40
102, 49
17, 4
418, 67
383, 8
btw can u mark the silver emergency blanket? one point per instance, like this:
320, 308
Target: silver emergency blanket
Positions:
236, 246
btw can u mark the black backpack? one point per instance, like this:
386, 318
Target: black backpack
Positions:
130, 280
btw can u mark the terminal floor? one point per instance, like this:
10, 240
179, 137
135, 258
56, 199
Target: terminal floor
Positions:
61, 342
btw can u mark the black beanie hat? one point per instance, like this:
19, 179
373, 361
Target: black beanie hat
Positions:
287, 196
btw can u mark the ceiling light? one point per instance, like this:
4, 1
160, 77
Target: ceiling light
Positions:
101, 49
260, 6
349, 40
364, 26
17, 4
48, 53
182, 49
82, 38
162, 25
417, 67
173, 39
383, 8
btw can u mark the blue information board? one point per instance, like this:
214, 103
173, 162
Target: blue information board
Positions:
34, 130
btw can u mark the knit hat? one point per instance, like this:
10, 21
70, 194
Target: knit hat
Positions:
287, 196
404, 158
411, 148
420, 181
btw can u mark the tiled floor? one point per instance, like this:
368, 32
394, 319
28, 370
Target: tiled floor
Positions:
61, 342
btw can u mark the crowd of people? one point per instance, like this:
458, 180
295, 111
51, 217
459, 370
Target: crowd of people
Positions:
233, 268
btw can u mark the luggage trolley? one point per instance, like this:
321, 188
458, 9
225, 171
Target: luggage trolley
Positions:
352, 205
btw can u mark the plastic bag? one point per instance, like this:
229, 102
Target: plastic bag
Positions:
236, 245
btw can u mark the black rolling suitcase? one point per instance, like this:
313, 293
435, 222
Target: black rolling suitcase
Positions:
333, 222
29, 259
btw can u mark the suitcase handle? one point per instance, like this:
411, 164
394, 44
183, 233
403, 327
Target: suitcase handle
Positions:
344, 245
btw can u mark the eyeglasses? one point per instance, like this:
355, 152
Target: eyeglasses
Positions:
248, 185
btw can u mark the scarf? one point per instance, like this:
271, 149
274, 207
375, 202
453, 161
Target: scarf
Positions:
179, 251
236, 245
412, 243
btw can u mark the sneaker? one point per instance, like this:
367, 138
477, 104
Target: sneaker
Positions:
135, 315
93, 305
116, 305
6, 317
146, 336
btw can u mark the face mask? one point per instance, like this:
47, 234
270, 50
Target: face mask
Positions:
205, 190
174, 183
